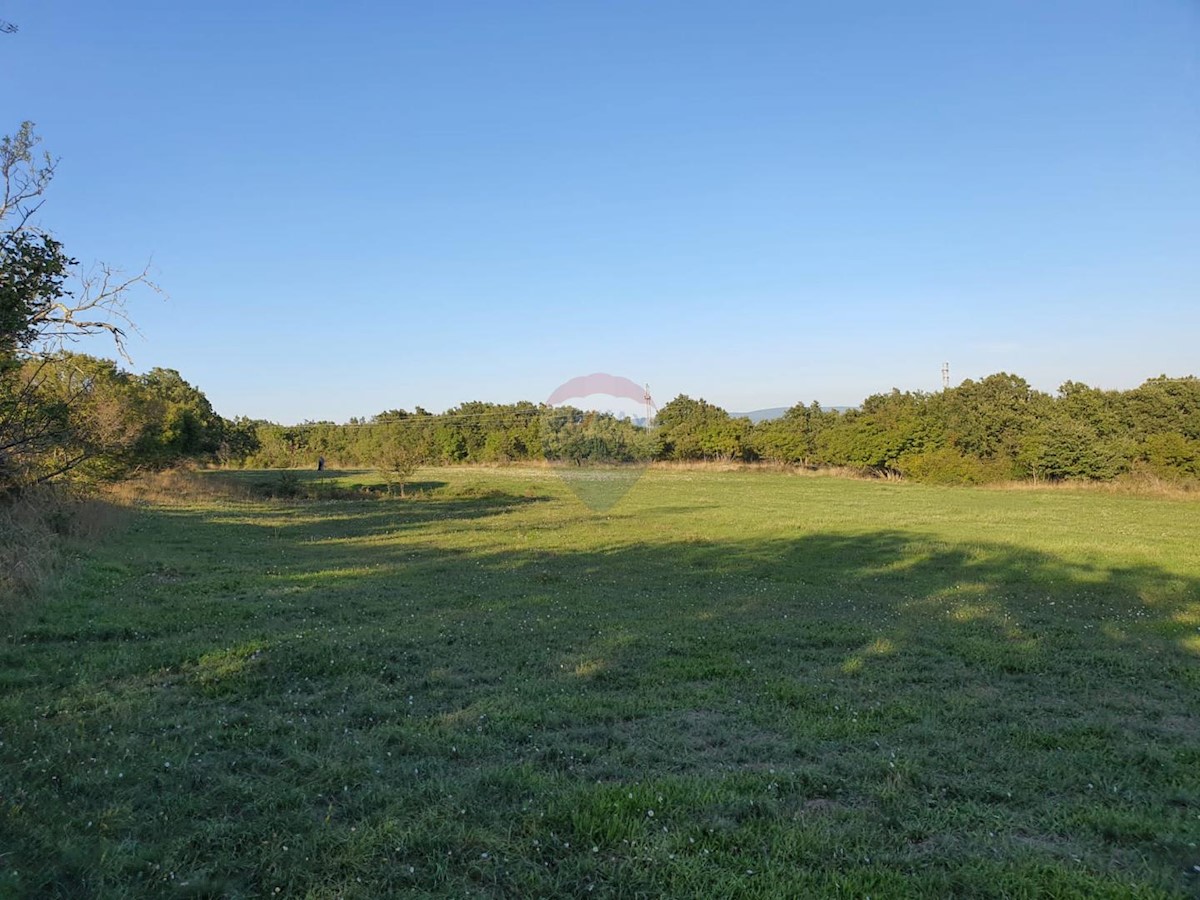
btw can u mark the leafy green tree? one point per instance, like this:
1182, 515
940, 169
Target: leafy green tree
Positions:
886, 429
944, 465
33, 269
1059, 446
37, 313
239, 439
792, 438
189, 426
573, 435
994, 429
1099, 410
988, 419
697, 429
1162, 405
85, 418
856, 441
1170, 455
398, 460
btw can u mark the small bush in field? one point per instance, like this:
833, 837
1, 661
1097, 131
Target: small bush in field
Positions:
397, 462
285, 486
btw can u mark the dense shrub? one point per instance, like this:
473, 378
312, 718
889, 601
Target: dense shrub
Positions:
948, 465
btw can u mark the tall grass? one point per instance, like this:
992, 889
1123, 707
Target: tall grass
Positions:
38, 528
181, 484
1139, 483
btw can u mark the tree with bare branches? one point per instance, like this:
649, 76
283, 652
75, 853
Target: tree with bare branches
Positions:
45, 302
38, 313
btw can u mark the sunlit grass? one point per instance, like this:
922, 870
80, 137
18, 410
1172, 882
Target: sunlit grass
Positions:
728, 684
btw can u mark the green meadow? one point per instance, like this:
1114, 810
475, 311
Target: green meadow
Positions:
727, 684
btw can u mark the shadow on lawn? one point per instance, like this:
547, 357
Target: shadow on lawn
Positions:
886, 572
925, 688
351, 516
885, 590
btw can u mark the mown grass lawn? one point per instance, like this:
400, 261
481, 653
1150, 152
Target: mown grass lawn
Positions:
729, 684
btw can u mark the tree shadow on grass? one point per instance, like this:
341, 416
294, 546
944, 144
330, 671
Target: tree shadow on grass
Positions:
313, 521
932, 703
243, 476
410, 487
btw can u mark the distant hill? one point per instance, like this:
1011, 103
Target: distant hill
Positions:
761, 415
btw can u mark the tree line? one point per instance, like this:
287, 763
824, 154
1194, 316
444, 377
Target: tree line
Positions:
995, 429
72, 417
69, 416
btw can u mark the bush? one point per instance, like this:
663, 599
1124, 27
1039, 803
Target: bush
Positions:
1065, 448
285, 486
1171, 456
947, 465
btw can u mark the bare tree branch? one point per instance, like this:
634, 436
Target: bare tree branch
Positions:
105, 289
23, 178
51, 419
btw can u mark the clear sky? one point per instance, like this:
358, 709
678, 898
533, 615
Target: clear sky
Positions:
356, 206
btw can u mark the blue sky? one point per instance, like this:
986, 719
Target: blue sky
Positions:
356, 206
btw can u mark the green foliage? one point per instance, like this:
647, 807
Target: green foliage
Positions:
1102, 411
469, 433
239, 439
876, 437
995, 429
1164, 405
999, 428
572, 435
988, 419
1062, 447
696, 429
188, 427
398, 458
75, 417
33, 269
1171, 455
793, 437
944, 465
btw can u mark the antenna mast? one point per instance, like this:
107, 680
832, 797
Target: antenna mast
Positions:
945, 375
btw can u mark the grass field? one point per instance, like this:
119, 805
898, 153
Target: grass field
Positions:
729, 684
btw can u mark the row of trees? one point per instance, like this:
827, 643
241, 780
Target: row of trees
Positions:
66, 415
470, 433
997, 428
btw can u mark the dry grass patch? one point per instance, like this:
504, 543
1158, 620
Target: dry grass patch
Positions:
36, 528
